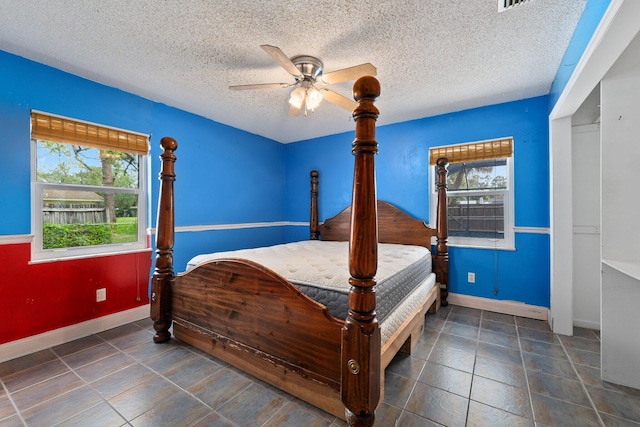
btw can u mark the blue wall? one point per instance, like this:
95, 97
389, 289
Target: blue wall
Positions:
402, 178
224, 175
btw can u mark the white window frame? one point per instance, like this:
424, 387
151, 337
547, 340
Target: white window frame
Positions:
508, 243
38, 254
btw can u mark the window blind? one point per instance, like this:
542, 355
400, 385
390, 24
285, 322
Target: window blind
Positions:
55, 128
484, 150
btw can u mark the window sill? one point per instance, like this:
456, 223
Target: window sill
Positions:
76, 257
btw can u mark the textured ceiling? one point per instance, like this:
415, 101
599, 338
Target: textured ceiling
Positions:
432, 56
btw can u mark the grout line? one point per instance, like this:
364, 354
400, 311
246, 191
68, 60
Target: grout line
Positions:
526, 375
584, 387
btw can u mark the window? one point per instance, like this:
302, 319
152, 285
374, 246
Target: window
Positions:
479, 193
88, 188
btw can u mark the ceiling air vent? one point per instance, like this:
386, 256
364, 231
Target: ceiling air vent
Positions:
508, 4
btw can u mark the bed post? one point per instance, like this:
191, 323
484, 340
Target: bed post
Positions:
442, 250
313, 221
163, 275
361, 332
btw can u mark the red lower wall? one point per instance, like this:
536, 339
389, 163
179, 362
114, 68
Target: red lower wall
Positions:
46, 296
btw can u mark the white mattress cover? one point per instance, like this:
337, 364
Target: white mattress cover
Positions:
319, 263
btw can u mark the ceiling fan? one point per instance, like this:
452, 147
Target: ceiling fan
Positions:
309, 81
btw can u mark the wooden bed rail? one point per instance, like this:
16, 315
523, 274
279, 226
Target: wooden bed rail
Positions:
163, 275
360, 362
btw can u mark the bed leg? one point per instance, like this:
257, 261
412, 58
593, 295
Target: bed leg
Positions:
163, 275
442, 233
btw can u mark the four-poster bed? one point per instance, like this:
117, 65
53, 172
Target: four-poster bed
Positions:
254, 318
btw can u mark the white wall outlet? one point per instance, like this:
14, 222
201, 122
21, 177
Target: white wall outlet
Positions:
101, 294
471, 277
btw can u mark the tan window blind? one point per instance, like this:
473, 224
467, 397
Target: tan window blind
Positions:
54, 128
484, 150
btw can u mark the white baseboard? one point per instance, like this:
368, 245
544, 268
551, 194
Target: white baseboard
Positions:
589, 324
500, 306
34, 343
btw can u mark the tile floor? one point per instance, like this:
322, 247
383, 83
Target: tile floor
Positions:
472, 367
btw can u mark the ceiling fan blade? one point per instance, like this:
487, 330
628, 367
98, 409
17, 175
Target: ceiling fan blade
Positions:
339, 100
351, 73
293, 111
259, 86
281, 59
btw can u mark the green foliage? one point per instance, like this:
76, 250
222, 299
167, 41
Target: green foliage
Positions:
74, 235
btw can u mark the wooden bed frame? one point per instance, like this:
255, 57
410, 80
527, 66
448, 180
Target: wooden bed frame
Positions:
254, 319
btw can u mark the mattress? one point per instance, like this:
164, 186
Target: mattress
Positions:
321, 271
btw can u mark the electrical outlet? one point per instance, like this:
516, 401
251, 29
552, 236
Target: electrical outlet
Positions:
101, 294
471, 277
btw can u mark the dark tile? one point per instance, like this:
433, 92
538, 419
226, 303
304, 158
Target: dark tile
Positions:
61, 407
543, 348
425, 345
542, 325
143, 397
132, 339
122, 380
557, 387
481, 415
614, 403
502, 354
77, 345
193, 370
549, 365
397, 389
104, 367
591, 376
554, 412
100, 415
386, 415
538, 335
499, 317
460, 330
589, 334
253, 406
181, 409
434, 323
6, 407
453, 358
462, 319
13, 421
438, 405
499, 339
501, 328
120, 331
467, 311
216, 389
611, 421
580, 343
214, 420
507, 373
409, 419
582, 357
503, 396
34, 375
25, 362
460, 343
295, 414
168, 360
89, 355
406, 366
45, 390
148, 349
445, 378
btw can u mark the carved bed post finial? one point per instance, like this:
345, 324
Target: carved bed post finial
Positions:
313, 221
163, 275
442, 250
361, 332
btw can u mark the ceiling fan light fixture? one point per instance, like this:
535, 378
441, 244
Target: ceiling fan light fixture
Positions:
314, 97
297, 97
